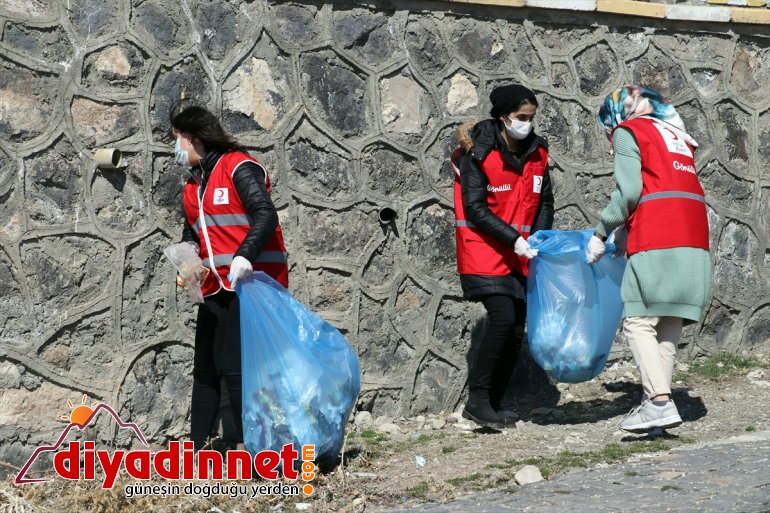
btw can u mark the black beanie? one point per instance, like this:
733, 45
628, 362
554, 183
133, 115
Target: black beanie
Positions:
506, 99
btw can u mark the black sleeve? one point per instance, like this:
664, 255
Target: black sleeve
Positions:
249, 180
544, 217
188, 234
473, 183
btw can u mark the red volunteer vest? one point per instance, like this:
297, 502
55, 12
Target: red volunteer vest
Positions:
222, 223
511, 196
672, 208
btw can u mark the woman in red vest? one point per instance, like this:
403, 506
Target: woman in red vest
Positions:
233, 224
502, 194
661, 203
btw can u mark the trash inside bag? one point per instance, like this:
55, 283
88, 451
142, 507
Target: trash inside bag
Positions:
573, 308
189, 267
300, 376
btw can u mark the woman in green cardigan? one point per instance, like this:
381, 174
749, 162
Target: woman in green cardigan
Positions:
661, 204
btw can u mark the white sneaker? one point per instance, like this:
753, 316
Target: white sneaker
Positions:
648, 416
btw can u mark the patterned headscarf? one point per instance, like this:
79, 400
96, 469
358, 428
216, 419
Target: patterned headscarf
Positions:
632, 101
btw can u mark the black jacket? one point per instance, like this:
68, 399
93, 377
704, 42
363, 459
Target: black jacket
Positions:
486, 137
249, 181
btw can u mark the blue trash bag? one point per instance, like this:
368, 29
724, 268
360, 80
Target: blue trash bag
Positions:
300, 376
573, 308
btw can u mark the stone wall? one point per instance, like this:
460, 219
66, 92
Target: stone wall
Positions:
352, 108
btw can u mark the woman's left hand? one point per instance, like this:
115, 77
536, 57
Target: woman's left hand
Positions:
239, 269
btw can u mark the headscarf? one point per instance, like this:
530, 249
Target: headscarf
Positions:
506, 99
633, 101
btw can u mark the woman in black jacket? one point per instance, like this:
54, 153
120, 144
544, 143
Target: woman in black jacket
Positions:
232, 223
502, 195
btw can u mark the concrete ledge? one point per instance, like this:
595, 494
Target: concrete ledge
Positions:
720, 11
565, 5
503, 3
740, 3
757, 16
632, 8
697, 13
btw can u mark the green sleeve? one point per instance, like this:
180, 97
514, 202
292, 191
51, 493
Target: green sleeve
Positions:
628, 182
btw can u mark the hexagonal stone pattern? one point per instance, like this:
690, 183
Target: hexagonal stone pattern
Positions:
257, 95
119, 196
316, 165
163, 25
294, 24
53, 188
392, 173
369, 36
597, 68
120, 68
172, 85
27, 100
352, 108
336, 91
46, 44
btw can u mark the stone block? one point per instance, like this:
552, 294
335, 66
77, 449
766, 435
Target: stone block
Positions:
67, 272
697, 13
337, 233
53, 186
750, 71
460, 93
570, 5
733, 130
48, 44
391, 173
660, 72
597, 69
318, 166
156, 393
368, 35
380, 267
30, 10
98, 123
221, 26
95, 18
162, 24
258, 93
337, 91
431, 242
632, 8
116, 68
330, 290
404, 103
147, 277
425, 46
408, 311
172, 84
479, 44
27, 98
432, 388
294, 24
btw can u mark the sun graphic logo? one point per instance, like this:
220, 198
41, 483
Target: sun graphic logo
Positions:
79, 418
79, 414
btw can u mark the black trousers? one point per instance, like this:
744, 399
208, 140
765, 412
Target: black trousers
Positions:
500, 346
217, 355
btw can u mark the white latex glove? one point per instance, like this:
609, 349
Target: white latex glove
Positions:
595, 250
522, 248
239, 269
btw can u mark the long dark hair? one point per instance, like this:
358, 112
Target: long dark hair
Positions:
204, 126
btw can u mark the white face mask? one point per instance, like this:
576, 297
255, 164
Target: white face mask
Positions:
518, 129
182, 157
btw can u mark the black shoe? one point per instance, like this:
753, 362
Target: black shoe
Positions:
480, 411
509, 417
